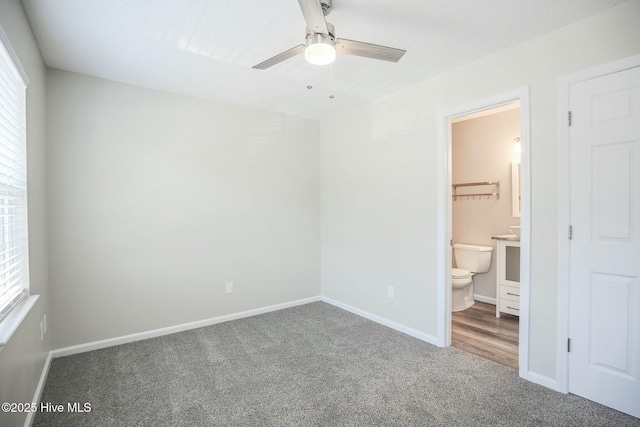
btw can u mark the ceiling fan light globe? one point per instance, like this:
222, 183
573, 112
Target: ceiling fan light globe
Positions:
320, 53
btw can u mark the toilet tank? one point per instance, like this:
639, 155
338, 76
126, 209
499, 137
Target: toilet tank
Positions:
476, 259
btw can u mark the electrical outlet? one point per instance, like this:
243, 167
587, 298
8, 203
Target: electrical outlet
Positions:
390, 292
44, 321
229, 287
41, 330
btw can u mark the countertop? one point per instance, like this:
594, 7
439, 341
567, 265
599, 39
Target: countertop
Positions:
509, 237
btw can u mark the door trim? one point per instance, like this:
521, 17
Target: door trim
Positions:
564, 202
445, 209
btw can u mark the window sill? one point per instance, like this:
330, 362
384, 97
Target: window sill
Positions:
14, 319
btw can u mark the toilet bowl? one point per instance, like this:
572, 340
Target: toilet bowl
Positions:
470, 260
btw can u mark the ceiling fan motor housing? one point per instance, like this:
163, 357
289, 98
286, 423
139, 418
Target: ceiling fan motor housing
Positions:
313, 37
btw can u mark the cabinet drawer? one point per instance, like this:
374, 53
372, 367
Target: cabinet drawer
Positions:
511, 307
510, 292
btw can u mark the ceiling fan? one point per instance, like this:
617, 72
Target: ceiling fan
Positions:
321, 43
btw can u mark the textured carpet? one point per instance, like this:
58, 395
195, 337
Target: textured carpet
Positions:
312, 365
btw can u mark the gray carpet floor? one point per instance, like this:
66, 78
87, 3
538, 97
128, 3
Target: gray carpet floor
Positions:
312, 365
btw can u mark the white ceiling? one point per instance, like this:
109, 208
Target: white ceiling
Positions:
206, 48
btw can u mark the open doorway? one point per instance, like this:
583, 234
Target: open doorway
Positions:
485, 165
486, 293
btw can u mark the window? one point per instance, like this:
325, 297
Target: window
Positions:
14, 252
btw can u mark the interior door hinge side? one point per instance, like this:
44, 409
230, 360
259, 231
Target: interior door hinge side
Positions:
568, 345
570, 232
569, 118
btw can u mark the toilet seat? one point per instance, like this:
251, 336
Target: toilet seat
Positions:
460, 278
459, 273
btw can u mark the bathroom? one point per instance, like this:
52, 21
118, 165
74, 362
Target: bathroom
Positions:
485, 153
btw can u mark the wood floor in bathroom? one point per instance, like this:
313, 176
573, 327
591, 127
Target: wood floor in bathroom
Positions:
478, 331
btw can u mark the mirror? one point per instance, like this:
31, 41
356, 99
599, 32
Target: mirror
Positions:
515, 188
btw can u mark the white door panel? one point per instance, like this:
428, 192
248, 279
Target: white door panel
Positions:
604, 318
612, 192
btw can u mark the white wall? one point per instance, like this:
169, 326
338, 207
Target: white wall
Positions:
482, 150
157, 200
379, 189
22, 359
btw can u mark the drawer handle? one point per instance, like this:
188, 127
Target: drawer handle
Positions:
515, 295
517, 309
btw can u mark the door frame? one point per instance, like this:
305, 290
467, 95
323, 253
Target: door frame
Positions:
444, 235
564, 203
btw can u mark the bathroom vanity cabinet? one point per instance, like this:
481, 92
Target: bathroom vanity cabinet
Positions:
508, 275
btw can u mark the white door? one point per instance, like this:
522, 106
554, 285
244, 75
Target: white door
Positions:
604, 317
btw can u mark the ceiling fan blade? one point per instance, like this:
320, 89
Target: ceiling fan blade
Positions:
368, 50
280, 57
314, 16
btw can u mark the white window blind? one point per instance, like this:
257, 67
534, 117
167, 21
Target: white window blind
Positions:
14, 252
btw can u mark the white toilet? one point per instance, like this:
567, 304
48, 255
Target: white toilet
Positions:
470, 260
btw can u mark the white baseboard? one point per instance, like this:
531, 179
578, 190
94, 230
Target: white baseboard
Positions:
381, 320
551, 383
110, 342
38, 394
481, 298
